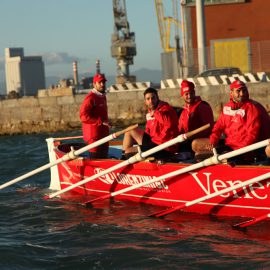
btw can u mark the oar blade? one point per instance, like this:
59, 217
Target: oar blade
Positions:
250, 222
243, 224
101, 198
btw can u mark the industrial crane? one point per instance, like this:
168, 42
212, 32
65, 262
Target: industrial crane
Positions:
167, 26
169, 30
123, 47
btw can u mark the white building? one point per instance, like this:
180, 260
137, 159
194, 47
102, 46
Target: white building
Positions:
24, 74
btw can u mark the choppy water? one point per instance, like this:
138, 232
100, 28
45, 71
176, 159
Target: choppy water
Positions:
38, 234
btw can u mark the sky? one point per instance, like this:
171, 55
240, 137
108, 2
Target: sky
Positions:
65, 30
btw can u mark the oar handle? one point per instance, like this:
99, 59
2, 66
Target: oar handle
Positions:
195, 131
119, 133
75, 154
67, 138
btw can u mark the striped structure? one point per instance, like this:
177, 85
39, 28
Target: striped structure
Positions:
217, 80
129, 86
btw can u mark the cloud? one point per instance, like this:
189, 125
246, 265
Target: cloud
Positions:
50, 58
53, 58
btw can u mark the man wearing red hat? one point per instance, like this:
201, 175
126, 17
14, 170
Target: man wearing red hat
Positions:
195, 114
160, 127
94, 117
239, 122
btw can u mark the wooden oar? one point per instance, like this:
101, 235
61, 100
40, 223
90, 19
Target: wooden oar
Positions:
67, 138
218, 193
250, 222
210, 161
71, 155
136, 158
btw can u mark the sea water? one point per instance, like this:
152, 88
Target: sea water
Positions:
39, 234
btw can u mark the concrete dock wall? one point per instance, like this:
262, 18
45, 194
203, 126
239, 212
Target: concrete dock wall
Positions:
58, 110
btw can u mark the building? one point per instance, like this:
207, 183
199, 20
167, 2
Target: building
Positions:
24, 74
237, 33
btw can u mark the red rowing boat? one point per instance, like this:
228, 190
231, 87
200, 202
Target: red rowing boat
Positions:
220, 189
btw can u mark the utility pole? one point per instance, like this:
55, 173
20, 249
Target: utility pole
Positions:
201, 39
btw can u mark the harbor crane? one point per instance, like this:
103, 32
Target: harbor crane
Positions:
169, 30
123, 46
167, 25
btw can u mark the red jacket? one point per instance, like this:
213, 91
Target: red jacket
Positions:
194, 116
162, 126
240, 126
265, 121
93, 113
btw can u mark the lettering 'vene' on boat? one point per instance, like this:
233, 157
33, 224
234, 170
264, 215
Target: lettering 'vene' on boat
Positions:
209, 185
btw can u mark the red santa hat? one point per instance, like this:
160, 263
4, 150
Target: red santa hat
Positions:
237, 84
99, 77
186, 86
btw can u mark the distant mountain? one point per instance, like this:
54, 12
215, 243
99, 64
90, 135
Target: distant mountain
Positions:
142, 75
146, 75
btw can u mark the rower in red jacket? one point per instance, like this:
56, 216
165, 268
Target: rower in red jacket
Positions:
195, 114
239, 122
94, 117
161, 126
